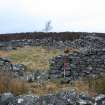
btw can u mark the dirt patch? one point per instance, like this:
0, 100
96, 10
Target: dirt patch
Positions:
4, 53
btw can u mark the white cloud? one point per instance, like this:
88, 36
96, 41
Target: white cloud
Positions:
79, 14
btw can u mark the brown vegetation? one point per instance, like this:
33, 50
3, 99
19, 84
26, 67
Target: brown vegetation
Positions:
97, 84
4, 53
40, 35
48, 87
9, 84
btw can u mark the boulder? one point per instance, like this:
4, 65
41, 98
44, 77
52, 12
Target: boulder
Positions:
6, 98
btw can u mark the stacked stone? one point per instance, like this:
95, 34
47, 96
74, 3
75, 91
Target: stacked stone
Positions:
57, 69
84, 63
89, 41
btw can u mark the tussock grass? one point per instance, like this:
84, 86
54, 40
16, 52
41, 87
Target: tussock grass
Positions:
48, 87
10, 84
35, 58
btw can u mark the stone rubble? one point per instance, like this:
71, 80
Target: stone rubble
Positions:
90, 40
7, 66
61, 98
20, 70
83, 63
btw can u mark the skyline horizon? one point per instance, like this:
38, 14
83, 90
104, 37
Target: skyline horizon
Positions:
49, 32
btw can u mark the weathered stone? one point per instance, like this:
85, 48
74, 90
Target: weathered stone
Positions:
61, 98
79, 64
5, 64
19, 68
6, 98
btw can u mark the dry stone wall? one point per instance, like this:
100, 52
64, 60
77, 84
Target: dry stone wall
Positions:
89, 62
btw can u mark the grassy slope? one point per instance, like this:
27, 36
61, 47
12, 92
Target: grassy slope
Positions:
38, 58
35, 58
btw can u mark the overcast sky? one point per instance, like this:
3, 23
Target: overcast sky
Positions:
66, 15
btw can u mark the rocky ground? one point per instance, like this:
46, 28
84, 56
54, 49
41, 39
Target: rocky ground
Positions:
88, 60
89, 40
62, 98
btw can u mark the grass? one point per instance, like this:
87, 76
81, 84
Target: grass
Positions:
35, 58
48, 87
9, 83
51, 87
17, 86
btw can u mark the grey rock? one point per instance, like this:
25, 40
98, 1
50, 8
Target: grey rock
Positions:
6, 98
5, 64
61, 98
89, 62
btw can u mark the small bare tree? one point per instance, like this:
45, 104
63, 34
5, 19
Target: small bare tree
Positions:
48, 26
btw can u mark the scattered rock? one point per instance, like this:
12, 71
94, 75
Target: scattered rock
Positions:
5, 98
5, 64
61, 98
19, 68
